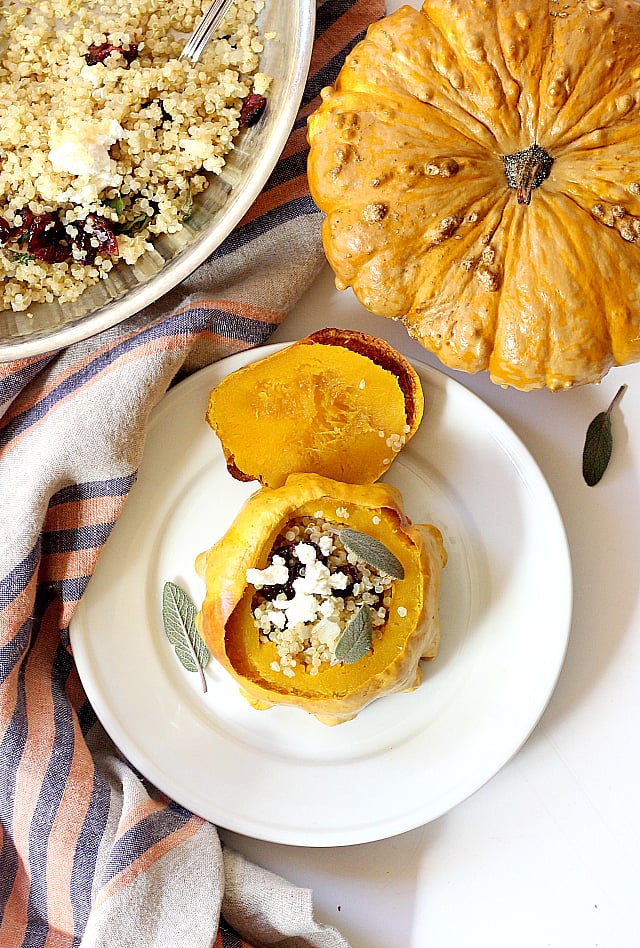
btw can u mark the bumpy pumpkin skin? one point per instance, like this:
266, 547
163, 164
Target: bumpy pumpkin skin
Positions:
407, 161
338, 693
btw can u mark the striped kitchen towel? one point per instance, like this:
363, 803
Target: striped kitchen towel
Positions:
91, 854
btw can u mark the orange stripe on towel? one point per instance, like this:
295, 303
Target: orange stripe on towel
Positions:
148, 858
75, 691
11, 618
140, 812
17, 611
34, 394
297, 141
237, 307
278, 195
352, 22
85, 512
32, 768
9, 368
169, 344
72, 564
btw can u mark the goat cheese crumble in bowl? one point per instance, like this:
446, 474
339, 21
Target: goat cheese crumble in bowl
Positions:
123, 167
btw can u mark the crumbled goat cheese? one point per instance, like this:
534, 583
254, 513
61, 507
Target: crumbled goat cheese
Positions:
274, 575
82, 150
326, 545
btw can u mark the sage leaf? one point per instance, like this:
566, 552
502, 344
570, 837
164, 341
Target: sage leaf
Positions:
372, 552
598, 444
178, 616
355, 641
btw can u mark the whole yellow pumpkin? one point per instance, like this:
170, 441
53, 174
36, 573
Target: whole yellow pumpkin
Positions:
334, 692
478, 162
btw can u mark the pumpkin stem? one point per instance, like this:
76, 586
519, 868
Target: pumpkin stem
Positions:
526, 170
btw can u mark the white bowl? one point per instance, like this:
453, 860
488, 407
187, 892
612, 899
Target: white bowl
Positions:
129, 289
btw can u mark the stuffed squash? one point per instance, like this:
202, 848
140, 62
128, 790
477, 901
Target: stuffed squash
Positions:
323, 595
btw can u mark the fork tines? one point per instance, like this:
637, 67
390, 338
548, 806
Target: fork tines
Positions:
204, 30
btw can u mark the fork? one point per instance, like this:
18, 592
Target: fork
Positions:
204, 30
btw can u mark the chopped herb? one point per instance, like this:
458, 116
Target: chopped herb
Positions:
187, 207
20, 257
133, 226
117, 204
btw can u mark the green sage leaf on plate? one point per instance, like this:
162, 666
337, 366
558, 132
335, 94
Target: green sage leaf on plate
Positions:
178, 616
355, 641
598, 444
372, 552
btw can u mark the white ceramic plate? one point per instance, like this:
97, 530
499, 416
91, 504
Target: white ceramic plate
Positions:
279, 775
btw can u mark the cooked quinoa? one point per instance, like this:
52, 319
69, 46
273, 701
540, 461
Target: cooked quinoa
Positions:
309, 591
105, 135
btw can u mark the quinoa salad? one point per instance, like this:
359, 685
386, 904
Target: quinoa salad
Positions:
106, 136
309, 591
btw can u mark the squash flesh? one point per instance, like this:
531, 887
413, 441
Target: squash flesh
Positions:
311, 408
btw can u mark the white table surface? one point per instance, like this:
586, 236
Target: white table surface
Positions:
547, 854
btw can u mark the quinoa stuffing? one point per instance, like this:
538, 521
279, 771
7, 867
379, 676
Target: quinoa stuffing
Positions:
106, 135
309, 591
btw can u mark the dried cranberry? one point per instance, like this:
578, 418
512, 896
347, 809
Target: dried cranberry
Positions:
164, 115
98, 54
26, 218
295, 568
92, 236
47, 238
252, 108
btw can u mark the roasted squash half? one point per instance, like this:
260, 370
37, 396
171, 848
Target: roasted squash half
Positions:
406, 610
339, 403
